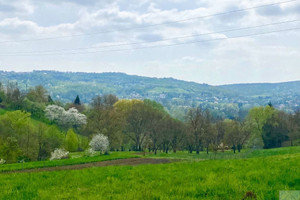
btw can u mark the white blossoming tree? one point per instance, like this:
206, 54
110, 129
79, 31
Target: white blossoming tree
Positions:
2, 161
100, 143
74, 118
69, 118
54, 113
58, 154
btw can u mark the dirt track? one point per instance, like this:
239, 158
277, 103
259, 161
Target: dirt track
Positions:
128, 161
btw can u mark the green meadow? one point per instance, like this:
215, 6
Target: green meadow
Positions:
251, 174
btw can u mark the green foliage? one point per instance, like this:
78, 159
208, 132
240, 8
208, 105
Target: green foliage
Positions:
38, 94
71, 141
9, 150
2, 96
257, 117
49, 138
36, 109
25, 138
275, 130
83, 143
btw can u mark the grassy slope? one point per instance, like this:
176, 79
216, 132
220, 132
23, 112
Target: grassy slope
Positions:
78, 158
2, 111
265, 174
211, 179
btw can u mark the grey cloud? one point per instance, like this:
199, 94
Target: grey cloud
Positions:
6, 8
82, 2
149, 37
270, 11
278, 11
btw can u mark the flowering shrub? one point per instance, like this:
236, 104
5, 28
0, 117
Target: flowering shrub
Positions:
2, 161
89, 152
99, 143
59, 154
70, 117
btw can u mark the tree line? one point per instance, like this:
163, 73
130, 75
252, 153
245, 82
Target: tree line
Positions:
34, 125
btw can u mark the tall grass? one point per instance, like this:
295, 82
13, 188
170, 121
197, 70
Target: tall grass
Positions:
262, 177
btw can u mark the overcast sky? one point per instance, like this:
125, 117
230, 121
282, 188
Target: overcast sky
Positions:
101, 28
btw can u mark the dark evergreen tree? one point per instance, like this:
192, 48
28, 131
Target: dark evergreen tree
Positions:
77, 100
270, 104
50, 100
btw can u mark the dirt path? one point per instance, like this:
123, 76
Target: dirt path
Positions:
128, 161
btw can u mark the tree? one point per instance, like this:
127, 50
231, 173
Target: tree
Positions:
173, 133
49, 138
77, 104
103, 118
77, 100
256, 119
156, 128
105, 101
2, 94
275, 130
294, 127
99, 143
196, 125
208, 130
36, 109
134, 116
232, 129
109, 100
66, 119
9, 150
71, 141
236, 134
50, 100
18, 125
38, 94
219, 137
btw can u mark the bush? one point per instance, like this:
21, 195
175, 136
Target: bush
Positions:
2, 161
99, 143
90, 152
59, 154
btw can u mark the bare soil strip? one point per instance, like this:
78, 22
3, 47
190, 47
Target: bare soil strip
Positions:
127, 161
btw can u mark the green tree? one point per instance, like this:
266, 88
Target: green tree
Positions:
256, 119
38, 94
294, 127
275, 130
195, 120
71, 141
49, 138
18, 125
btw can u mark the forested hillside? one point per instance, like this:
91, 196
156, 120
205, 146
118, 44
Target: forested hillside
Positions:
230, 101
33, 127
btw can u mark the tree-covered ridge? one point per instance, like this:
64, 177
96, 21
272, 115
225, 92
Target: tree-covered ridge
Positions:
176, 96
34, 127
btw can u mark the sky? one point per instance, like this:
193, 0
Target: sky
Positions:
184, 39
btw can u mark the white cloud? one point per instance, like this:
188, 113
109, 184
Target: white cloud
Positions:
234, 60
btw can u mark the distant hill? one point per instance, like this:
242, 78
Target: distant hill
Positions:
176, 95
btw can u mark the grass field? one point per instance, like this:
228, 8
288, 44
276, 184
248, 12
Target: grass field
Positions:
2, 111
78, 158
263, 173
248, 153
